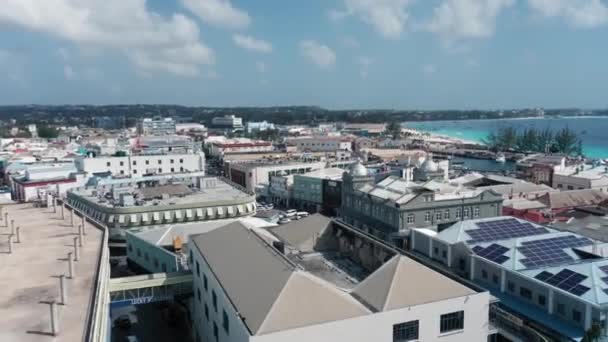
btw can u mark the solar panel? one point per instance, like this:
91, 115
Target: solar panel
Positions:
503, 229
493, 252
547, 252
566, 280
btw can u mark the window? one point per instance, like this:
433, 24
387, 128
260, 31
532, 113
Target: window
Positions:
541, 300
444, 254
526, 293
576, 315
147, 162
466, 213
225, 323
134, 162
407, 331
122, 163
205, 284
160, 162
181, 169
570, 187
458, 213
446, 215
495, 279
164, 267
438, 216
206, 311
214, 300
108, 164
511, 286
198, 270
451, 321
139, 252
476, 211
427, 216
130, 248
171, 161
561, 309
134, 172
198, 294
181, 160
146, 256
436, 250
122, 172
155, 262
172, 170
215, 331
160, 170
410, 218
484, 274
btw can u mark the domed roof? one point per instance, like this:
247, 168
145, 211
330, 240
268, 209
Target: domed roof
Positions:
429, 165
358, 170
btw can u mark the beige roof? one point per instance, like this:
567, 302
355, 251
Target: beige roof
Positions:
265, 288
299, 233
403, 282
307, 300
573, 198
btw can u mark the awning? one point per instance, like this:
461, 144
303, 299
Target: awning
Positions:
167, 215
220, 211
178, 214
199, 212
133, 218
156, 216
210, 212
111, 219
121, 218
188, 213
144, 217
230, 211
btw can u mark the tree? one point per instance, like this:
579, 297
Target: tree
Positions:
567, 142
593, 334
393, 129
47, 132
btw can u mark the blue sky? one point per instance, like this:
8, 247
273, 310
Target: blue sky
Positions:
404, 54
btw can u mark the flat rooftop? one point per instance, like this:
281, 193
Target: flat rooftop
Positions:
214, 190
30, 275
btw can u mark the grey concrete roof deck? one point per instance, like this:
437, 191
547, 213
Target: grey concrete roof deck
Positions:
29, 275
297, 233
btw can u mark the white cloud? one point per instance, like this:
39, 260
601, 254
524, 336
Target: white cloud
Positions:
579, 13
124, 25
219, 13
261, 67
460, 19
69, 73
387, 17
364, 64
251, 43
349, 42
429, 69
319, 54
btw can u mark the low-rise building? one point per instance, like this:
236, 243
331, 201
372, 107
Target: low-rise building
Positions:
230, 122
392, 207
142, 164
156, 126
581, 177
250, 174
38, 180
321, 143
239, 145
556, 280
307, 282
319, 190
169, 199
253, 127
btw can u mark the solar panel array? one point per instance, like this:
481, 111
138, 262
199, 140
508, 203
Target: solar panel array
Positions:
493, 252
503, 229
547, 252
566, 280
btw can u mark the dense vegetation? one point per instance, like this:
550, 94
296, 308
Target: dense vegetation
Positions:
564, 141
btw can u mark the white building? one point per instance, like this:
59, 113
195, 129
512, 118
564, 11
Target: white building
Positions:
36, 180
321, 143
259, 126
251, 174
581, 177
245, 289
239, 145
139, 165
156, 126
227, 121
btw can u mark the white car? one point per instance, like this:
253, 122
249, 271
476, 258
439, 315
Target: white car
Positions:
131, 338
302, 213
291, 213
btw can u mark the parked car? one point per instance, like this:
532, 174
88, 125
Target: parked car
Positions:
131, 338
269, 206
284, 220
291, 213
123, 322
302, 213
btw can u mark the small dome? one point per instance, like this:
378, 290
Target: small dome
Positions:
358, 170
429, 165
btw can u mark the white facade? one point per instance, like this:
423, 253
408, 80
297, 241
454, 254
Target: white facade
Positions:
321, 144
259, 126
218, 149
581, 177
227, 121
371, 327
143, 164
249, 176
156, 126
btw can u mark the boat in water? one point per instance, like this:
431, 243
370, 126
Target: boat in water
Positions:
500, 158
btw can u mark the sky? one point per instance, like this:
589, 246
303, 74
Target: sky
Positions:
338, 54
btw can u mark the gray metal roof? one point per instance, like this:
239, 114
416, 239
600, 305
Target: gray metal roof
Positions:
297, 233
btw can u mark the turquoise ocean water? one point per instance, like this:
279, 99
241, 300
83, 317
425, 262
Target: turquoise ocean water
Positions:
592, 130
